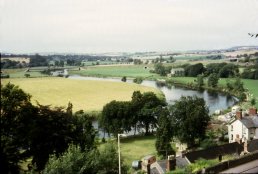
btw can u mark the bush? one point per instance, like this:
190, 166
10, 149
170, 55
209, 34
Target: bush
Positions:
27, 75
138, 80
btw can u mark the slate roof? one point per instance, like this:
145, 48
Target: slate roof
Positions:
250, 121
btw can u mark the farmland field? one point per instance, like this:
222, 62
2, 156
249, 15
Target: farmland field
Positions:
117, 71
83, 94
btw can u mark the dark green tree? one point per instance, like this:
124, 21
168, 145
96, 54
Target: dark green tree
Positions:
159, 68
229, 70
83, 132
123, 79
200, 81
213, 80
148, 113
164, 134
194, 70
16, 108
116, 117
189, 119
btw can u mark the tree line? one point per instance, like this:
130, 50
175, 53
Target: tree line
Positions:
222, 70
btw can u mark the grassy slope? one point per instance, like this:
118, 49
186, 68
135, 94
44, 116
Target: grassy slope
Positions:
85, 95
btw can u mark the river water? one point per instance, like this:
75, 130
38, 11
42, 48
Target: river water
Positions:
214, 100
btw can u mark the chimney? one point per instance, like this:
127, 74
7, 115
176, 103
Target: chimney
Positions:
171, 163
239, 115
252, 111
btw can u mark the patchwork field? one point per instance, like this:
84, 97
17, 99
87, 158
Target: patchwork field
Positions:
83, 94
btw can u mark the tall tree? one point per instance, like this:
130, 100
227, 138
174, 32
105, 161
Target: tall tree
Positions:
15, 108
116, 117
189, 118
148, 114
213, 80
164, 134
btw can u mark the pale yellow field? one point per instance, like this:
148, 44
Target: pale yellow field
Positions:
83, 94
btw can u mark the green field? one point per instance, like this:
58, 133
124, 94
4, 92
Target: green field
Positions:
19, 73
134, 148
83, 94
117, 71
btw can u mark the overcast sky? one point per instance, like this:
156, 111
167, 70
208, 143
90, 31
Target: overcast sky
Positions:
88, 26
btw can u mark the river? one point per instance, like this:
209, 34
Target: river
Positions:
214, 100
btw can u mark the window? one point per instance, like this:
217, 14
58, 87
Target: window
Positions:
231, 136
231, 127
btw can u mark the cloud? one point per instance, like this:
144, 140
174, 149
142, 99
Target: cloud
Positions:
125, 25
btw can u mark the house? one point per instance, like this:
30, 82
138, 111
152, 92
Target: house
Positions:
177, 72
243, 127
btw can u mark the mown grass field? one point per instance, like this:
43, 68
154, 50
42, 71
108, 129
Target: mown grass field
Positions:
117, 71
134, 148
83, 94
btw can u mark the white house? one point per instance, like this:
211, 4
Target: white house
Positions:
243, 128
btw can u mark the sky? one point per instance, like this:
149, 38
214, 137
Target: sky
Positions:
98, 26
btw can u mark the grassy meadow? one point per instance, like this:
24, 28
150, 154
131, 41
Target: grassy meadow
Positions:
83, 94
117, 71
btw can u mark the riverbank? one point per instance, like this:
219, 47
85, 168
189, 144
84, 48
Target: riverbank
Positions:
190, 82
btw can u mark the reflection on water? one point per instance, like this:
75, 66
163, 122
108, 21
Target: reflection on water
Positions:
214, 100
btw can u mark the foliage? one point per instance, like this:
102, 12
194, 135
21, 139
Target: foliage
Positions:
115, 117
159, 68
253, 102
164, 134
75, 160
250, 74
15, 109
37, 131
194, 70
229, 70
213, 80
123, 79
200, 164
83, 132
189, 119
145, 108
138, 80
200, 81
118, 117
214, 68
38, 60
